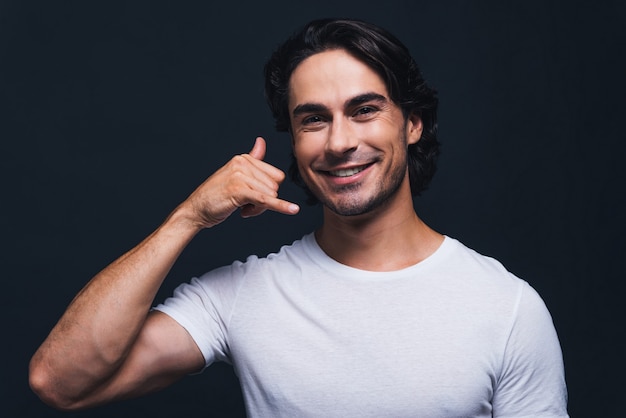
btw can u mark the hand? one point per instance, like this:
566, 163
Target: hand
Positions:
245, 182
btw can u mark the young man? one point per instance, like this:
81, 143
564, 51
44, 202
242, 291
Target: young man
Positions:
373, 314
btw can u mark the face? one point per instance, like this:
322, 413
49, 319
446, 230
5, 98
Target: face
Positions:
349, 139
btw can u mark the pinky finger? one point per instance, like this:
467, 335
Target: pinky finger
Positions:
274, 204
250, 210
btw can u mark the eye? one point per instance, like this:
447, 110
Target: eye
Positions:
311, 119
310, 123
365, 111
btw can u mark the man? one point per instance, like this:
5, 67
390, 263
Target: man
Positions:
373, 314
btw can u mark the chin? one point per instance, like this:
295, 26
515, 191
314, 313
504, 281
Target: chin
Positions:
356, 207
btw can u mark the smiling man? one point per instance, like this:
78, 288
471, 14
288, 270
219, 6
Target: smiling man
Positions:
349, 137
373, 314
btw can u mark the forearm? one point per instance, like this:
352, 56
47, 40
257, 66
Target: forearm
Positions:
85, 359
99, 327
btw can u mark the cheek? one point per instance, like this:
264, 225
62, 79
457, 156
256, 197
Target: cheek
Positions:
299, 152
303, 159
307, 148
382, 131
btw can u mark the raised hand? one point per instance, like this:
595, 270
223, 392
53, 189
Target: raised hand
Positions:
245, 182
107, 345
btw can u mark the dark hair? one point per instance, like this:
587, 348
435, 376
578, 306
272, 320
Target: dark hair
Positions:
385, 55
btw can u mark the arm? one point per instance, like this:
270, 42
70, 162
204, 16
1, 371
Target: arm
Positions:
107, 345
532, 382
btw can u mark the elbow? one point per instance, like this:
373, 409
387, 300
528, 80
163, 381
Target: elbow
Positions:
47, 388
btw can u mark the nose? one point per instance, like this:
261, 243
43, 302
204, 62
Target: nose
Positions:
341, 138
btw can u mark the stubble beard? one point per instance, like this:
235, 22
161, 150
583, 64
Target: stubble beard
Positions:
351, 203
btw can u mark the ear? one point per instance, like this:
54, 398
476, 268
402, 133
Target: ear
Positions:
414, 128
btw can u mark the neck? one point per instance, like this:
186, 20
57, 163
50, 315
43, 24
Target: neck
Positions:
390, 238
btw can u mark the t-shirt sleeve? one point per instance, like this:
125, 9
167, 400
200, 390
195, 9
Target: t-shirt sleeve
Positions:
204, 307
532, 382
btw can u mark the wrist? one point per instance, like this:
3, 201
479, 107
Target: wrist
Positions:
182, 219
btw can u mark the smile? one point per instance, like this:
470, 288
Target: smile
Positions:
348, 171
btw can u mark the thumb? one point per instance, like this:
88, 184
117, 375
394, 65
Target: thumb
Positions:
258, 151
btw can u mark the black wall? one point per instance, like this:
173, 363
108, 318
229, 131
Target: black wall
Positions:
111, 113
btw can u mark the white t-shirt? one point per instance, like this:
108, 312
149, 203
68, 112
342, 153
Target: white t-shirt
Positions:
455, 335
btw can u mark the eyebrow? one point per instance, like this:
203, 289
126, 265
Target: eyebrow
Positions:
352, 102
309, 108
364, 98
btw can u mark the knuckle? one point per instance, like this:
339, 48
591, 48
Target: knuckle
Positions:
280, 176
238, 161
263, 200
236, 176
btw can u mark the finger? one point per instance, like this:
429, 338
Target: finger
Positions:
258, 151
250, 210
269, 203
257, 184
266, 169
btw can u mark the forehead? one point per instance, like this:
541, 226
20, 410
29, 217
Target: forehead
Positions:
331, 78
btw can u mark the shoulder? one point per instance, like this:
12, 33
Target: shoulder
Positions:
463, 256
233, 275
475, 269
288, 255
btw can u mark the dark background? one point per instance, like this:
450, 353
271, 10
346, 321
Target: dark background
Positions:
113, 112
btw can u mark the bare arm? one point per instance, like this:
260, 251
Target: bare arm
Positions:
107, 345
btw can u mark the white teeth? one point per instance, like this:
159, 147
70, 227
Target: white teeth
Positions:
346, 173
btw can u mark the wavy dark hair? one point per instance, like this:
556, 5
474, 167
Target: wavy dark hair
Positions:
384, 54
